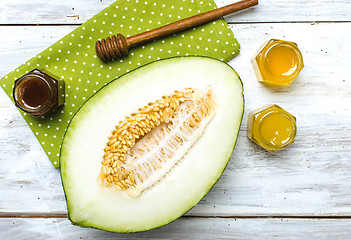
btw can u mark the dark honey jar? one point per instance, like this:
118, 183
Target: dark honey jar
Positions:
37, 93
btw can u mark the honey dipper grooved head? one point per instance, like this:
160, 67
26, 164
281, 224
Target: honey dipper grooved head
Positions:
112, 48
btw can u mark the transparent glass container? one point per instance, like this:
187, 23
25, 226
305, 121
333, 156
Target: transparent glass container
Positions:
271, 127
277, 62
37, 93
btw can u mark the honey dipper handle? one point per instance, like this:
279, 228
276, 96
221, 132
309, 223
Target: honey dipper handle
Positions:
189, 22
118, 46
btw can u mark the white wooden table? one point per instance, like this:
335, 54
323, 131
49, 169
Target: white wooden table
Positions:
303, 192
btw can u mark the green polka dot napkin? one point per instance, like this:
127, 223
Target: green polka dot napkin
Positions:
73, 57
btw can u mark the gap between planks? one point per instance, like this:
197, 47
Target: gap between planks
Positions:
229, 22
65, 215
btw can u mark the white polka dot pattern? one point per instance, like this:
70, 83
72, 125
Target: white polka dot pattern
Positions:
73, 57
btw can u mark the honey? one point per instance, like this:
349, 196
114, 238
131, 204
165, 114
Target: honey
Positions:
272, 128
33, 93
37, 93
278, 62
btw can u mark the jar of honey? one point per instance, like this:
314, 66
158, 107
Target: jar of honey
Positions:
37, 93
271, 127
278, 62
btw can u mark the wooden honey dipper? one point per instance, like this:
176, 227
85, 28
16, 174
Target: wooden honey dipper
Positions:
118, 46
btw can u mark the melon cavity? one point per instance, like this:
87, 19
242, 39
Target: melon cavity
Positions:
171, 125
148, 146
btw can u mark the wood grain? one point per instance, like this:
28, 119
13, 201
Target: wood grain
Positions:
189, 22
303, 192
310, 178
186, 228
106, 52
79, 11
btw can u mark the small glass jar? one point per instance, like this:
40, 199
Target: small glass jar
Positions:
37, 93
271, 127
278, 62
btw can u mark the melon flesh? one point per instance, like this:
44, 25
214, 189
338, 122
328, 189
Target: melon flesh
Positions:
191, 177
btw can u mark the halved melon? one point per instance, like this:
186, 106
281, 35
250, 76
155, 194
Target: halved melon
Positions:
147, 147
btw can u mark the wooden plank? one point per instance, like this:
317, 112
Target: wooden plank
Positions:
50, 12
310, 178
185, 228
292, 11
28, 180
79, 11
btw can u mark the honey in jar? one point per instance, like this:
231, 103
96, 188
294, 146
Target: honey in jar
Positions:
278, 62
37, 93
271, 127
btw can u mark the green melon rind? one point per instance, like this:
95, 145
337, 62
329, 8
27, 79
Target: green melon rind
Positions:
193, 202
